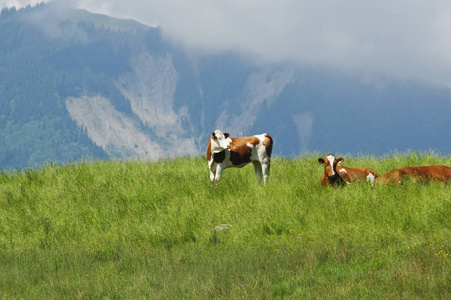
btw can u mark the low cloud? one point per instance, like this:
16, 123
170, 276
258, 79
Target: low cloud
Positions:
17, 3
400, 39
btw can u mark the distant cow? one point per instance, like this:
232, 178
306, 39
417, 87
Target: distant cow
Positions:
424, 174
226, 152
334, 174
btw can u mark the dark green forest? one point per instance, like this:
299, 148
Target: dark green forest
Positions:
38, 72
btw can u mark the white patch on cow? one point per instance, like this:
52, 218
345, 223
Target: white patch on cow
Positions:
331, 159
261, 137
260, 154
370, 178
219, 143
343, 171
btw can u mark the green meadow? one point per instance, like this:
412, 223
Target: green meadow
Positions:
161, 230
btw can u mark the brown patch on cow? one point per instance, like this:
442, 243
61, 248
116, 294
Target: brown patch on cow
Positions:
209, 148
244, 140
374, 173
268, 142
424, 174
238, 158
355, 174
240, 152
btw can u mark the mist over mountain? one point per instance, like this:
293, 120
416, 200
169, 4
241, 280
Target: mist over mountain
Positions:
76, 85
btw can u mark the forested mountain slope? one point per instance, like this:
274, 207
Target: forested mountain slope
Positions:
76, 85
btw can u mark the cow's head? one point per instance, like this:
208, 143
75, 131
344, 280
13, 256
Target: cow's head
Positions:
330, 164
219, 141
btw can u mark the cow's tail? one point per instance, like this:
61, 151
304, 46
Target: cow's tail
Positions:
268, 144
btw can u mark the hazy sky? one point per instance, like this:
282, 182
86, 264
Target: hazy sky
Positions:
405, 39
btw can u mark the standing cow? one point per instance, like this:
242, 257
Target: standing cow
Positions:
226, 152
424, 174
334, 174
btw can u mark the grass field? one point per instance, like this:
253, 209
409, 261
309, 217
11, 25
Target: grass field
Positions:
150, 230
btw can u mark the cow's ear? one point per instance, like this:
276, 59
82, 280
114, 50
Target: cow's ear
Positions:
226, 135
321, 160
213, 136
340, 160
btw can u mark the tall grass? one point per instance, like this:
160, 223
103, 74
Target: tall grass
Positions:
150, 230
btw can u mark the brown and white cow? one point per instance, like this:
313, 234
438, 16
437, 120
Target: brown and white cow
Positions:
226, 152
334, 174
424, 174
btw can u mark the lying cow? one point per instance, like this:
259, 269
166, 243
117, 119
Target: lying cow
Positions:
424, 174
334, 174
226, 152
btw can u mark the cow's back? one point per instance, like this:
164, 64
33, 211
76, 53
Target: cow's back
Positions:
435, 172
247, 148
423, 173
356, 174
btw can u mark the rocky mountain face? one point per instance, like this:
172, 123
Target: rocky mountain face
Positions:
155, 131
84, 86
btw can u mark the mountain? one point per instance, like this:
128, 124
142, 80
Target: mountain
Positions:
76, 85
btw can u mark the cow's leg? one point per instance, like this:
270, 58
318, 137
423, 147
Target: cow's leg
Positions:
219, 170
324, 180
265, 169
212, 168
258, 171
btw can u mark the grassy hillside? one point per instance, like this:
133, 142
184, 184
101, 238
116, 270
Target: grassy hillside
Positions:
150, 230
